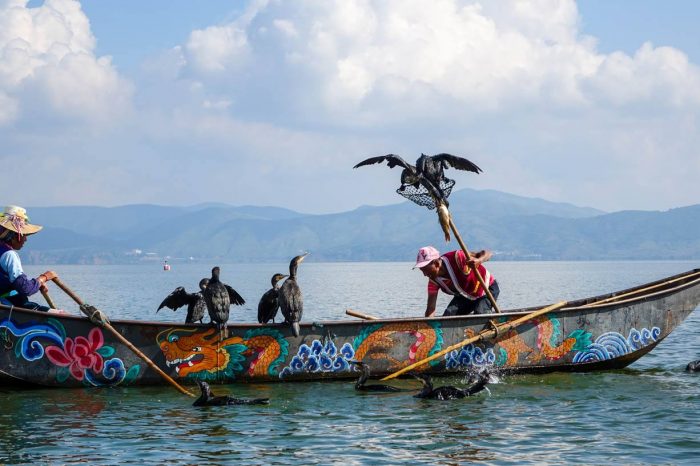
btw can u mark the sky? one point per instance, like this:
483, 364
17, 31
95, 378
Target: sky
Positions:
265, 102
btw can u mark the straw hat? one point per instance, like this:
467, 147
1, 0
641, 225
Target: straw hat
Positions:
14, 218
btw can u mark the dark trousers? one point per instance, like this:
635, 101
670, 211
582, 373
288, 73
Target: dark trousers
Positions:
20, 300
461, 306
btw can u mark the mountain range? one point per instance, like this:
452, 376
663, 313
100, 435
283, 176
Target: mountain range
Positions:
513, 227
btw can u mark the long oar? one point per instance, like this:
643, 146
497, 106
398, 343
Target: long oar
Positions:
361, 315
49, 301
476, 269
483, 335
90, 312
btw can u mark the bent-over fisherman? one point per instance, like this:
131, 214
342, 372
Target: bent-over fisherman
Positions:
455, 275
15, 286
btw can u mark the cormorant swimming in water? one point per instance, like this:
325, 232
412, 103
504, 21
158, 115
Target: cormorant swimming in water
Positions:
195, 302
428, 172
207, 398
360, 385
693, 366
448, 392
219, 297
290, 298
269, 303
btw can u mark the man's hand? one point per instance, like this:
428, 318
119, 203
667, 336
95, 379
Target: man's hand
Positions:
43, 288
47, 276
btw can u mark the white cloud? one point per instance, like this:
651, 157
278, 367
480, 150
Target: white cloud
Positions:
47, 64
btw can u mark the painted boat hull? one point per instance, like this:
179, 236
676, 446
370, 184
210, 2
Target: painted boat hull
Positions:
37, 348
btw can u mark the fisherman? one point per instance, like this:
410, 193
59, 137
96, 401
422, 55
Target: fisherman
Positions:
15, 286
455, 275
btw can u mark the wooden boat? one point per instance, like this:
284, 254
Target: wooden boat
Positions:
603, 332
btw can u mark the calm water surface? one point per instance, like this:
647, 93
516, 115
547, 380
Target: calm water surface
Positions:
644, 414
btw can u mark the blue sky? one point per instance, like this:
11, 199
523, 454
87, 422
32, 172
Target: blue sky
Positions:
271, 103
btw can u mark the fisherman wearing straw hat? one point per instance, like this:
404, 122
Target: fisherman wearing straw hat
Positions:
15, 286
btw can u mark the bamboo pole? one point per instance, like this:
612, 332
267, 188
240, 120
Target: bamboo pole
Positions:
359, 314
483, 335
49, 301
641, 290
121, 338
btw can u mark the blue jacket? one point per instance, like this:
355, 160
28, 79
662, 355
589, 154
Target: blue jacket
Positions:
9, 261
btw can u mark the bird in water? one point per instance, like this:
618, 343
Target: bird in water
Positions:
219, 297
196, 306
290, 298
428, 172
207, 398
449, 392
361, 385
693, 366
269, 302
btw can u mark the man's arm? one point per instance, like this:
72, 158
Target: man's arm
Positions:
478, 258
430, 308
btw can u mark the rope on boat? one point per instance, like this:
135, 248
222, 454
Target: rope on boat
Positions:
96, 316
6, 342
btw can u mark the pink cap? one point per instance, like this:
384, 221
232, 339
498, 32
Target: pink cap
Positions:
425, 256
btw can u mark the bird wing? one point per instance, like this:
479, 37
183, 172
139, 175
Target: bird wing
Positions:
178, 298
460, 163
393, 160
234, 296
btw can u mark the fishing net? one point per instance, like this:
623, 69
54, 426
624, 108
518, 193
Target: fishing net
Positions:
421, 196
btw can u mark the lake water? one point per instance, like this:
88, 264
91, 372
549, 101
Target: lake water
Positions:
646, 414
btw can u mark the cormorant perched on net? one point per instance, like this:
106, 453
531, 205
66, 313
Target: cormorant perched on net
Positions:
219, 297
196, 306
290, 298
448, 392
207, 398
269, 302
425, 183
361, 384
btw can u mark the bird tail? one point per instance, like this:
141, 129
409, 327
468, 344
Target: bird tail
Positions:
296, 328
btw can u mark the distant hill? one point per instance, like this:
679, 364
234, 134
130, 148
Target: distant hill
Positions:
514, 227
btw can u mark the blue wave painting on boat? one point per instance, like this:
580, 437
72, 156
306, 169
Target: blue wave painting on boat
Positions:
613, 345
320, 357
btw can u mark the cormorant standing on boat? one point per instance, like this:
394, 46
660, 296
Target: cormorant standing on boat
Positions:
361, 385
196, 306
207, 398
269, 303
219, 297
428, 172
449, 392
290, 298
693, 366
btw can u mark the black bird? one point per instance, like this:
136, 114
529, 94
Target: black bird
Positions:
693, 366
207, 398
219, 297
196, 306
428, 172
269, 303
360, 385
290, 298
448, 392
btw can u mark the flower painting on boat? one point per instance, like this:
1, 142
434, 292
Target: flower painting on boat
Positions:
85, 359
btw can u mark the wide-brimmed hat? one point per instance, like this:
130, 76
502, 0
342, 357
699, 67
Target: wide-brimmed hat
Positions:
425, 256
15, 218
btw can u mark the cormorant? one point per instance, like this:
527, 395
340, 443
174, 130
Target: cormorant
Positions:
269, 303
693, 366
448, 392
290, 298
428, 172
195, 302
207, 398
361, 386
219, 297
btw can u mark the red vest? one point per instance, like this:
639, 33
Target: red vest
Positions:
462, 280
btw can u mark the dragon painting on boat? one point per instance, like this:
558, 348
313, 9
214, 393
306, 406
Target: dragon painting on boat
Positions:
603, 332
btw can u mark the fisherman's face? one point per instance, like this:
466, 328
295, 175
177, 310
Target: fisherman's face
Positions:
431, 270
18, 242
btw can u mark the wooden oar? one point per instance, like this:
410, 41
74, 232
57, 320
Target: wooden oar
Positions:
49, 301
476, 269
361, 315
120, 337
483, 335
641, 290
